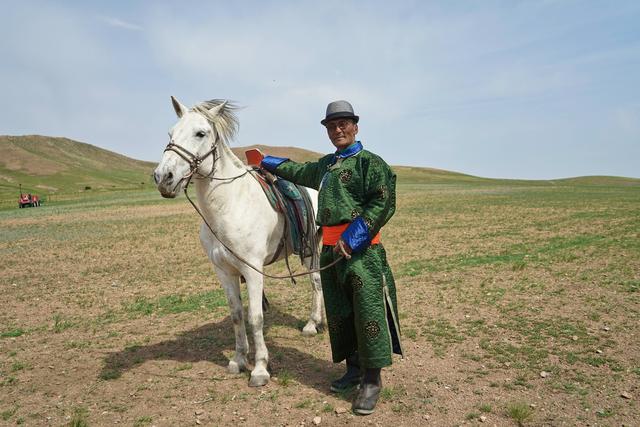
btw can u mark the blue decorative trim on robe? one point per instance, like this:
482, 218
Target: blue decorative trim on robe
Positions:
270, 163
357, 235
351, 150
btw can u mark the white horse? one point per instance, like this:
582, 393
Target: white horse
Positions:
240, 215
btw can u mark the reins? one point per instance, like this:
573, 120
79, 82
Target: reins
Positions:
194, 163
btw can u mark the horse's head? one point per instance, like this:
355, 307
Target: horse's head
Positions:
193, 143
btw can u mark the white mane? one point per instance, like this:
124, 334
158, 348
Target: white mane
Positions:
225, 122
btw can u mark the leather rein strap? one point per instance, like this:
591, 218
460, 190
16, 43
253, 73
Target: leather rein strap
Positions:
194, 163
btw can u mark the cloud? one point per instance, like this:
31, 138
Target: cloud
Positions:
118, 23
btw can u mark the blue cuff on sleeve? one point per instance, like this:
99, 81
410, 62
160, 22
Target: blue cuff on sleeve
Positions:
270, 163
357, 235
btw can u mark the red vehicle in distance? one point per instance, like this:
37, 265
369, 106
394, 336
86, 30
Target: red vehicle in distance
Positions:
29, 200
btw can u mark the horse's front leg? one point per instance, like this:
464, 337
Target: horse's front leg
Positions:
231, 285
259, 376
316, 317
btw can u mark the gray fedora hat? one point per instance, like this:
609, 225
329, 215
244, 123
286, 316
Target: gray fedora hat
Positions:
339, 110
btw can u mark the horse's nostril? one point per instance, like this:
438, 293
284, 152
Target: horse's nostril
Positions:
169, 177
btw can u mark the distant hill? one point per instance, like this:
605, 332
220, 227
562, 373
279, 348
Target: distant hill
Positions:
419, 175
47, 165
598, 181
51, 165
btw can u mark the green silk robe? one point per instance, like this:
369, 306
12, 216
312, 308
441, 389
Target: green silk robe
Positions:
360, 294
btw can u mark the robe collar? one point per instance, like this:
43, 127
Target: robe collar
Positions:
351, 150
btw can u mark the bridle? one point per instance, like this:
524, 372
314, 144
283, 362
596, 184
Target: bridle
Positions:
195, 162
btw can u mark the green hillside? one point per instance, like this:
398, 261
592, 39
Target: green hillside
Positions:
57, 166
599, 181
60, 168
417, 175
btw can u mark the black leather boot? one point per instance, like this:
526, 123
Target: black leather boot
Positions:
365, 401
351, 378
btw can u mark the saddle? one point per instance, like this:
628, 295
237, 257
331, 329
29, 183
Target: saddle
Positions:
294, 203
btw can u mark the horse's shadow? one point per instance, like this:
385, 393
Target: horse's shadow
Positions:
207, 343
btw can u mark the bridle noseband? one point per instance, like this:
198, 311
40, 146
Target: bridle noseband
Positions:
194, 160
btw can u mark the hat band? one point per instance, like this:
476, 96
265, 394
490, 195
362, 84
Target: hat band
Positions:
340, 115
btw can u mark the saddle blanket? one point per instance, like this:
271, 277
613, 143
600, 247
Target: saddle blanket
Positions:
294, 202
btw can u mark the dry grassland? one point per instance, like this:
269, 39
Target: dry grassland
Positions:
519, 306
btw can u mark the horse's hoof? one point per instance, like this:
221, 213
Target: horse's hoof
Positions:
259, 380
234, 367
309, 329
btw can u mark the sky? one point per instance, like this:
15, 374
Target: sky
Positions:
502, 89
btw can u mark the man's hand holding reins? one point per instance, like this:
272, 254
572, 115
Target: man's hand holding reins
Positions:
341, 248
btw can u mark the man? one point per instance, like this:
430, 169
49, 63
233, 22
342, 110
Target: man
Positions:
356, 198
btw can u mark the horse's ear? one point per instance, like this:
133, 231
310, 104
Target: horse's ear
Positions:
216, 110
181, 110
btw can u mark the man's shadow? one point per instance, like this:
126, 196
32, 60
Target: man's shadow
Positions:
207, 343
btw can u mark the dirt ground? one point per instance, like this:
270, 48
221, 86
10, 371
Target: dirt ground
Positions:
518, 306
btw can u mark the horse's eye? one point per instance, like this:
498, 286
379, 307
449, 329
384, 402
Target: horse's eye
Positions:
200, 134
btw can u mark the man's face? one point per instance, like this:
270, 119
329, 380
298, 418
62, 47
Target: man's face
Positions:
342, 132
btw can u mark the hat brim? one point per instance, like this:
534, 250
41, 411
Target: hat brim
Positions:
340, 115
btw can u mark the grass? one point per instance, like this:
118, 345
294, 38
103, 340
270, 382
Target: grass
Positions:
392, 393
630, 286
304, 404
327, 408
142, 421
519, 412
498, 280
572, 388
77, 344
8, 413
110, 374
12, 333
79, 418
184, 367
285, 378
485, 408
173, 304
60, 323
524, 355
472, 416
441, 334
605, 412
517, 257
410, 333
18, 366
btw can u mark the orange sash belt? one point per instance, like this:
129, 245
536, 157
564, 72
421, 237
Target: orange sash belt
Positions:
331, 234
